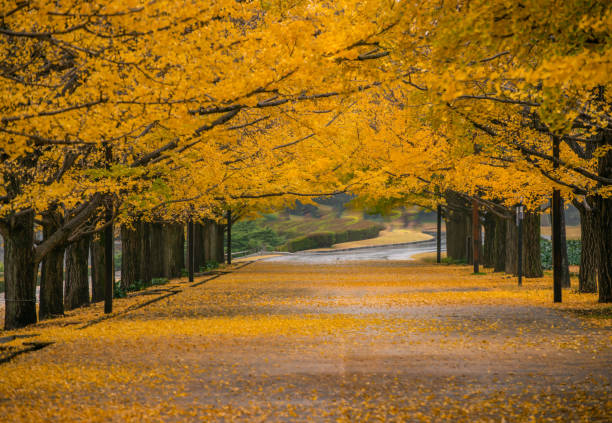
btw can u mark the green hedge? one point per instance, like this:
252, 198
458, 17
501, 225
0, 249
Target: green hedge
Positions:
310, 241
573, 253
327, 238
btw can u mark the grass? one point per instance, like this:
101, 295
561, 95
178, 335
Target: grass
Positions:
571, 232
388, 236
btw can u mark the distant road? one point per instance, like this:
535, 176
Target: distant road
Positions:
383, 252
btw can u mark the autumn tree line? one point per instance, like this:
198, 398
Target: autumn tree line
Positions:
145, 116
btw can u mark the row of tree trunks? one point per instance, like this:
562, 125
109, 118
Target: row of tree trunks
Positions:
532, 262
499, 245
130, 254
52, 279
212, 234
173, 250
156, 245
76, 288
488, 254
458, 227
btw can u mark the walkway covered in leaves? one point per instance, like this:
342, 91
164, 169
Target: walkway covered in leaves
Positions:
271, 341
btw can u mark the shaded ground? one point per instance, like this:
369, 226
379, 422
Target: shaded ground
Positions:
275, 341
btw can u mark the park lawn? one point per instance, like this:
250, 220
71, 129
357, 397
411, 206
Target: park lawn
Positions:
388, 236
571, 232
371, 341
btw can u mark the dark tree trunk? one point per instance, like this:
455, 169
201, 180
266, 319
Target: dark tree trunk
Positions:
157, 250
130, 255
499, 245
52, 280
77, 279
604, 215
458, 227
511, 247
488, 254
174, 250
208, 236
19, 272
565, 275
589, 249
603, 207
98, 267
198, 246
220, 244
532, 260
144, 230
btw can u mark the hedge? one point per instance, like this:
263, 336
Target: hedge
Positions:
573, 253
327, 239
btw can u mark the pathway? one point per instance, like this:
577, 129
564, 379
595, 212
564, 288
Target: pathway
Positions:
349, 341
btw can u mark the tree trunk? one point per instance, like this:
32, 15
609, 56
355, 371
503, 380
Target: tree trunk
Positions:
19, 272
604, 214
499, 245
511, 263
130, 255
98, 267
488, 254
208, 235
565, 275
220, 245
144, 230
458, 227
157, 250
77, 279
604, 223
532, 260
52, 280
589, 249
198, 246
174, 250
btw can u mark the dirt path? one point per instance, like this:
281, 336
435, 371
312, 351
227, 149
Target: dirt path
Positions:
375, 341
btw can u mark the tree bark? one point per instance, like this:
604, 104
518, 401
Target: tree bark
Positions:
511, 247
499, 245
144, 231
458, 227
157, 250
130, 255
98, 267
565, 275
77, 279
589, 249
532, 260
52, 280
604, 214
198, 246
220, 244
208, 235
19, 272
174, 250
488, 256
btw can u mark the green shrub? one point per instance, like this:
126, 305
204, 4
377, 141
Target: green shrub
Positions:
247, 235
310, 241
118, 291
573, 252
159, 281
364, 233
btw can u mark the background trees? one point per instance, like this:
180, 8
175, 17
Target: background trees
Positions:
151, 114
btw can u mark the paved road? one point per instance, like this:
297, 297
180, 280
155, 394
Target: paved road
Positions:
394, 252
382, 252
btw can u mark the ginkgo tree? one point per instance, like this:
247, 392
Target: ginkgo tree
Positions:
96, 94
